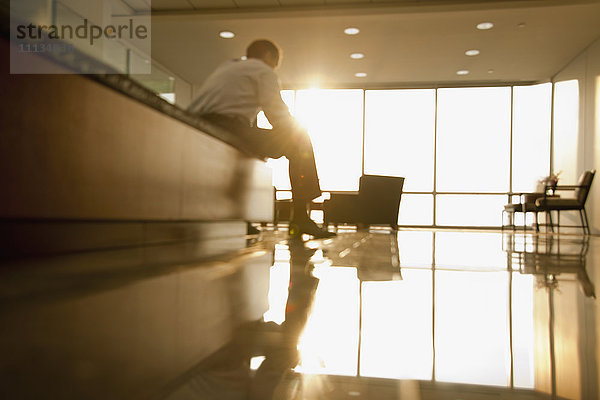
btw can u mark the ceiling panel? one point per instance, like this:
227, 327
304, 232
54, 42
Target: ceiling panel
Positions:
138, 5
402, 48
163, 5
202, 4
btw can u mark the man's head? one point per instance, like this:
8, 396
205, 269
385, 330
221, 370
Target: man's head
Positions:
266, 51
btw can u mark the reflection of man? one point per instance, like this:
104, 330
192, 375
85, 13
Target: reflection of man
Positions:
227, 374
281, 353
232, 97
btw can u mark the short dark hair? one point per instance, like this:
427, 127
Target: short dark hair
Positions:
260, 48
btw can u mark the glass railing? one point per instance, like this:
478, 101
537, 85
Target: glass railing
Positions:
91, 36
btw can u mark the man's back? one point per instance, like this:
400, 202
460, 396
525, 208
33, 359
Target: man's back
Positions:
241, 88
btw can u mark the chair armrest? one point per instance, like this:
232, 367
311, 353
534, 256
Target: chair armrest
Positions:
526, 197
550, 191
567, 187
354, 193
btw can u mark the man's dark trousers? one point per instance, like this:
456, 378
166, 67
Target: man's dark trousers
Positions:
294, 144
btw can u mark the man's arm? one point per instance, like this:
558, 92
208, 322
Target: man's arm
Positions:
269, 96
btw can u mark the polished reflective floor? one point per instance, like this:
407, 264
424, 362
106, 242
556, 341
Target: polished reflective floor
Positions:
413, 314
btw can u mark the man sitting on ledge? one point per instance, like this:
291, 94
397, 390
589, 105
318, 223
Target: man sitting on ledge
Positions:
233, 95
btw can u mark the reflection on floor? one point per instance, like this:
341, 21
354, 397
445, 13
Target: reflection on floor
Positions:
414, 314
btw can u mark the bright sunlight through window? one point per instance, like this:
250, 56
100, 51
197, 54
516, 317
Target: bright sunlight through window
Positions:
334, 122
453, 145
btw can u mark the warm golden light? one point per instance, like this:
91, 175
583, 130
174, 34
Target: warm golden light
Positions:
333, 119
531, 129
523, 330
485, 26
278, 292
399, 135
566, 129
227, 34
255, 362
597, 111
279, 280
396, 341
597, 115
466, 251
329, 343
472, 337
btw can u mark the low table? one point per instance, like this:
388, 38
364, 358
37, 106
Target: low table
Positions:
526, 205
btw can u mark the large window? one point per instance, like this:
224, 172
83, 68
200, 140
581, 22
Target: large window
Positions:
566, 129
461, 150
473, 154
473, 138
399, 141
469, 210
399, 135
334, 119
531, 135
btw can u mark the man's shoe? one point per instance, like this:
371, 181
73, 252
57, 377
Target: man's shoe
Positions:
309, 227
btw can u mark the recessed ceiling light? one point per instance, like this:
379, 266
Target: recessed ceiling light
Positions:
490, 71
522, 25
357, 56
472, 52
226, 34
351, 31
360, 74
462, 72
485, 25
243, 58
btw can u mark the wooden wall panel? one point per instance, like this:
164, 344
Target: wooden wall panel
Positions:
72, 148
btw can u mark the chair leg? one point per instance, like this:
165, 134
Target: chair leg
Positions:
549, 216
558, 221
510, 217
587, 223
537, 226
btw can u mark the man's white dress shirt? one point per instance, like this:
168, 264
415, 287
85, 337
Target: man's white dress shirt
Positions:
242, 88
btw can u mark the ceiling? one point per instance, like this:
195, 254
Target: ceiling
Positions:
406, 43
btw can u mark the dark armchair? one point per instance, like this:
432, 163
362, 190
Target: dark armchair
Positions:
377, 202
576, 203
